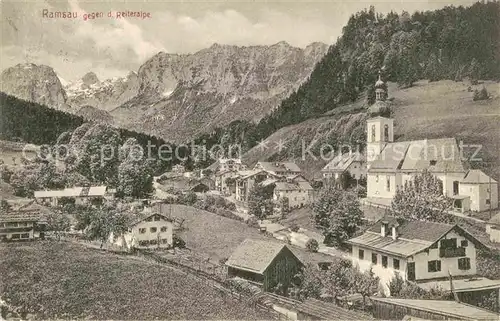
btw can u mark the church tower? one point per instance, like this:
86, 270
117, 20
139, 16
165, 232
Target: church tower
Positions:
380, 129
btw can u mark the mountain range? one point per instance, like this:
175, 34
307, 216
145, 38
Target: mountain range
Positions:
176, 96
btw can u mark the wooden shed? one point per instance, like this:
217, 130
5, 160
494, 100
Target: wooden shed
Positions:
398, 309
265, 262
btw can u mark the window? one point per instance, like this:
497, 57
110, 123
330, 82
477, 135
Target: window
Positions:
15, 236
156, 218
434, 246
434, 266
149, 219
464, 263
386, 133
449, 243
395, 264
153, 229
384, 261
142, 230
373, 133
464, 243
25, 235
374, 258
376, 178
455, 187
432, 162
163, 229
388, 184
361, 254
487, 201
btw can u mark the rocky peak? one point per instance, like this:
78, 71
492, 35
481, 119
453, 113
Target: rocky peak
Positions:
37, 83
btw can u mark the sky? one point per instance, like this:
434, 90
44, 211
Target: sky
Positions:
112, 47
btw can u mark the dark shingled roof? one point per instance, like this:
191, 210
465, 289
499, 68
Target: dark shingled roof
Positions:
329, 311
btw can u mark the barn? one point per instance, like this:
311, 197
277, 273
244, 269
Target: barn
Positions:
267, 263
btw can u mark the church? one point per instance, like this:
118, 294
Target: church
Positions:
391, 164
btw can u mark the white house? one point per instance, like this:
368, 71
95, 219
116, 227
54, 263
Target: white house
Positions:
417, 250
279, 168
353, 163
230, 164
80, 195
493, 228
246, 180
482, 190
297, 189
149, 230
391, 164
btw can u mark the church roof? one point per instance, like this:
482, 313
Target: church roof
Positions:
436, 155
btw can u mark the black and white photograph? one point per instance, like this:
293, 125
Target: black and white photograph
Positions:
250, 160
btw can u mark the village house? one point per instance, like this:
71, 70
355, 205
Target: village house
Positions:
419, 251
23, 224
266, 263
225, 182
482, 190
352, 163
246, 181
279, 168
77, 195
230, 164
493, 228
390, 164
297, 189
148, 230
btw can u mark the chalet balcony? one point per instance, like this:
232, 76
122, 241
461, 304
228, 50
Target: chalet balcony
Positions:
452, 252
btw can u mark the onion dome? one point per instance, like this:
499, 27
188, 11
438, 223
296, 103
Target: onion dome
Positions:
380, 84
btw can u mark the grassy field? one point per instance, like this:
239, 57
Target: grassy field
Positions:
64, 280
216, 237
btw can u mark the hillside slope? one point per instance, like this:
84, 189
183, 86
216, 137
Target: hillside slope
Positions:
426, 110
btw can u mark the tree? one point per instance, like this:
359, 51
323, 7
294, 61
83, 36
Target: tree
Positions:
370, 96
422, 199
259, 201
103, 221
338, 214
312, 245
310, 283
284, 204
481, 94
135, 177
58, 223
474, 71
364, 283
5, 206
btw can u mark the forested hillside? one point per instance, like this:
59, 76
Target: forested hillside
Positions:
452, 43
29, 122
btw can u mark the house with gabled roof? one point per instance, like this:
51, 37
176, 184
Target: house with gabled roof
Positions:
246, 180
482, 190
80, 195
267, 263
146, 230
418, 250
353, 163
23, 223
279, 168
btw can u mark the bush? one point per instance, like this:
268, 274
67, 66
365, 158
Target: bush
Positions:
178, 242
294, 228
480, 94
252, 222
312, 245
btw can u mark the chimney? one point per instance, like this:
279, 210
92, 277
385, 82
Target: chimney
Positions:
383, 229
394, 233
